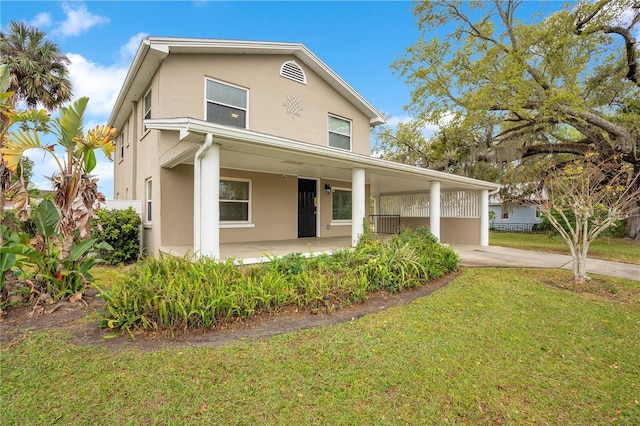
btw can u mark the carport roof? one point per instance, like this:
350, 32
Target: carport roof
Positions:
248, 150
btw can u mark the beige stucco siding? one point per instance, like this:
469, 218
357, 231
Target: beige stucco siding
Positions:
181, 84
177, 205
274, 204
460, 230
452, 230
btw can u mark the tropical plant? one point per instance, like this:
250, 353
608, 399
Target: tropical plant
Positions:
38, 69
170, 293
75, 190
9, 117
39, 260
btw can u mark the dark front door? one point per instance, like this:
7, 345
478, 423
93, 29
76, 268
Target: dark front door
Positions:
307, 203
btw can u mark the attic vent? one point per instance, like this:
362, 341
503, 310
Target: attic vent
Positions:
292, 71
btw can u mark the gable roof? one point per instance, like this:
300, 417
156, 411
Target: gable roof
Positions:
153, 50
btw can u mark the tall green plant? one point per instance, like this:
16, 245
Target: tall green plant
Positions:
76, 192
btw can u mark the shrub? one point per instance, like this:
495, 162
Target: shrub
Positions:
169, 292
121, 230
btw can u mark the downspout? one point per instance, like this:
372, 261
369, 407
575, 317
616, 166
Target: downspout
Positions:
197, 192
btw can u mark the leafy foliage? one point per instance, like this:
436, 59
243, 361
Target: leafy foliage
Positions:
170, 293
76, 192
506, 91
121, 230
36, 262
39, 74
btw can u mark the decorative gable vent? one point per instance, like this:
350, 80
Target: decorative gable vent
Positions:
292, 71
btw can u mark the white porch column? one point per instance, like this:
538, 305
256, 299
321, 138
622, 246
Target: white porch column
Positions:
358, 204
434, 209
206, 207
484, 217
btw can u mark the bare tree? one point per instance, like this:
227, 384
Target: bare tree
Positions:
582, 199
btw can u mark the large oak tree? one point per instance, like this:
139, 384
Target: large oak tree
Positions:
557, 86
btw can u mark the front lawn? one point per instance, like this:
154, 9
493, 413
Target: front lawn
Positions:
615, 249
495, 346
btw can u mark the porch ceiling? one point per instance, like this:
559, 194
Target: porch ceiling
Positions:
244, 150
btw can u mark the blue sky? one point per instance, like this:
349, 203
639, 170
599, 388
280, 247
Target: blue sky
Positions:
359, 40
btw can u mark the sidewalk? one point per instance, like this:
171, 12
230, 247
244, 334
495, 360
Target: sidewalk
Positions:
509, 257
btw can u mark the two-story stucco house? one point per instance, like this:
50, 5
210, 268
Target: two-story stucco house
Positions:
242, 141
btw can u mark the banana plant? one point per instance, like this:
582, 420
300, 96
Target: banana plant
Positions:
10, 117
75, 190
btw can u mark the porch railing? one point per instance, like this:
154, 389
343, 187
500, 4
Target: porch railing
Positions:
516, 227
385, 223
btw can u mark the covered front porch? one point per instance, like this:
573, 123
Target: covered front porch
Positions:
194, 153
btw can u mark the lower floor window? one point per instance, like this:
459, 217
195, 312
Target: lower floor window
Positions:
341, 205
235, 197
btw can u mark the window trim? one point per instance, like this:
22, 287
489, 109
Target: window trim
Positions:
225, 83
504, 213
339, 222
350, 135
237, 223
148, 205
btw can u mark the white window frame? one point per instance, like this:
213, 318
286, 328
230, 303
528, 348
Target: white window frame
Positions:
504, 213
146, 111
225, 83
238, 223
538, 214
148, 206
338, 133
121, 139
339, 222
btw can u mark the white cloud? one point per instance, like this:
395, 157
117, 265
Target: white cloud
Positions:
128, 51
101, 83
78, 20
41, 20
393, 121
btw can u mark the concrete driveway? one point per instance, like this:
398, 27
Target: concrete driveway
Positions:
509, 257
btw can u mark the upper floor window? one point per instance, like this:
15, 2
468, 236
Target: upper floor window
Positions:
293, 71
149, 199
121, 142
339, 133
235, 200
226, 104
147, 107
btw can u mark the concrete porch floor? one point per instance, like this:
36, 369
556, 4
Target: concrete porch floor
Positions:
261, 251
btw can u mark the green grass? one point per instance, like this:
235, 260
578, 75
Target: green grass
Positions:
615, 249
495, 346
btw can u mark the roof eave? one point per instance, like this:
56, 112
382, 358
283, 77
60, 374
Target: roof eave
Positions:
153, 50
187, 126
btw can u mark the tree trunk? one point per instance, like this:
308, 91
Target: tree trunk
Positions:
580, 269
633, 222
